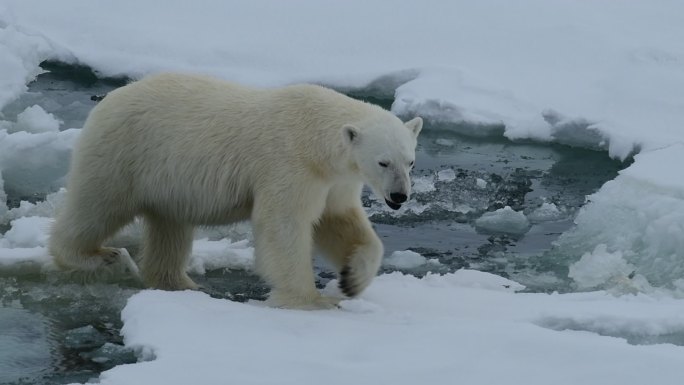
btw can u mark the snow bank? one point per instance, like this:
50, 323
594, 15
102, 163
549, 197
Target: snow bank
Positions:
439, 329
591, 74
640, 214
21, 52
584, 73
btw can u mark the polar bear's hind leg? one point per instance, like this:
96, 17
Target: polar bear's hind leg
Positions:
165, 254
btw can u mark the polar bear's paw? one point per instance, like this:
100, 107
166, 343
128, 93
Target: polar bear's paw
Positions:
350, 283
106, 264
358, 274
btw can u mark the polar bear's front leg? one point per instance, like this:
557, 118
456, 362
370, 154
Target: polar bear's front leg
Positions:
283, 252
348, 240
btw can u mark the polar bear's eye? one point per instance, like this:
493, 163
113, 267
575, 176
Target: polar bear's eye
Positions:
411, 164
383, 164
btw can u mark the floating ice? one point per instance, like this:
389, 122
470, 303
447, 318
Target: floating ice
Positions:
641, 215
35, 120
209, 255
446, 175
444, 142
599, 267
111, 354
83, 338
3, 200
35, 164
407, 259
423, 184
503, 221
545, 212
45, 208
10, 256
28, 232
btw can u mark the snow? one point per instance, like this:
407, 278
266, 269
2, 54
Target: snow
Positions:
21, 53
468, 327
503, 221
652, 168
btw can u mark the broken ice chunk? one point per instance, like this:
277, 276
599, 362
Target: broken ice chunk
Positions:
503, 221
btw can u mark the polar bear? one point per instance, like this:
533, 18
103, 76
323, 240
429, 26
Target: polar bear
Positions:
183, 150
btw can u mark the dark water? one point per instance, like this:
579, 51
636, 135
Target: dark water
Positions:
69, 333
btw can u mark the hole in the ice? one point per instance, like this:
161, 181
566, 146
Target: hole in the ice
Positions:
381, 90
79, 74
635, 332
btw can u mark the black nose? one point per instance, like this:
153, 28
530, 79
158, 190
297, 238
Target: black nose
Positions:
398, 197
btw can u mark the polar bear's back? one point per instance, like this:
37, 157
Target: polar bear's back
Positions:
176, 140
177, 106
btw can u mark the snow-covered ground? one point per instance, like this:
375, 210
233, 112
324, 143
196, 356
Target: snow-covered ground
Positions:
601, 74
467, 327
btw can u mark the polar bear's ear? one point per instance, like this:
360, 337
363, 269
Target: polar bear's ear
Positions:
350, 133
415, 125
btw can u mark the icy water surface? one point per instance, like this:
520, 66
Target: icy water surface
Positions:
56, 331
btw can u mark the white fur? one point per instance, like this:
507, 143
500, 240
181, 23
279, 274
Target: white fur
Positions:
184, 150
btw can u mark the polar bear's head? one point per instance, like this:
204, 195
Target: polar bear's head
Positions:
384, 151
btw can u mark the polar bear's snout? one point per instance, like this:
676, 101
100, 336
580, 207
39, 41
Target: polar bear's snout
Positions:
398, 197
395, 200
